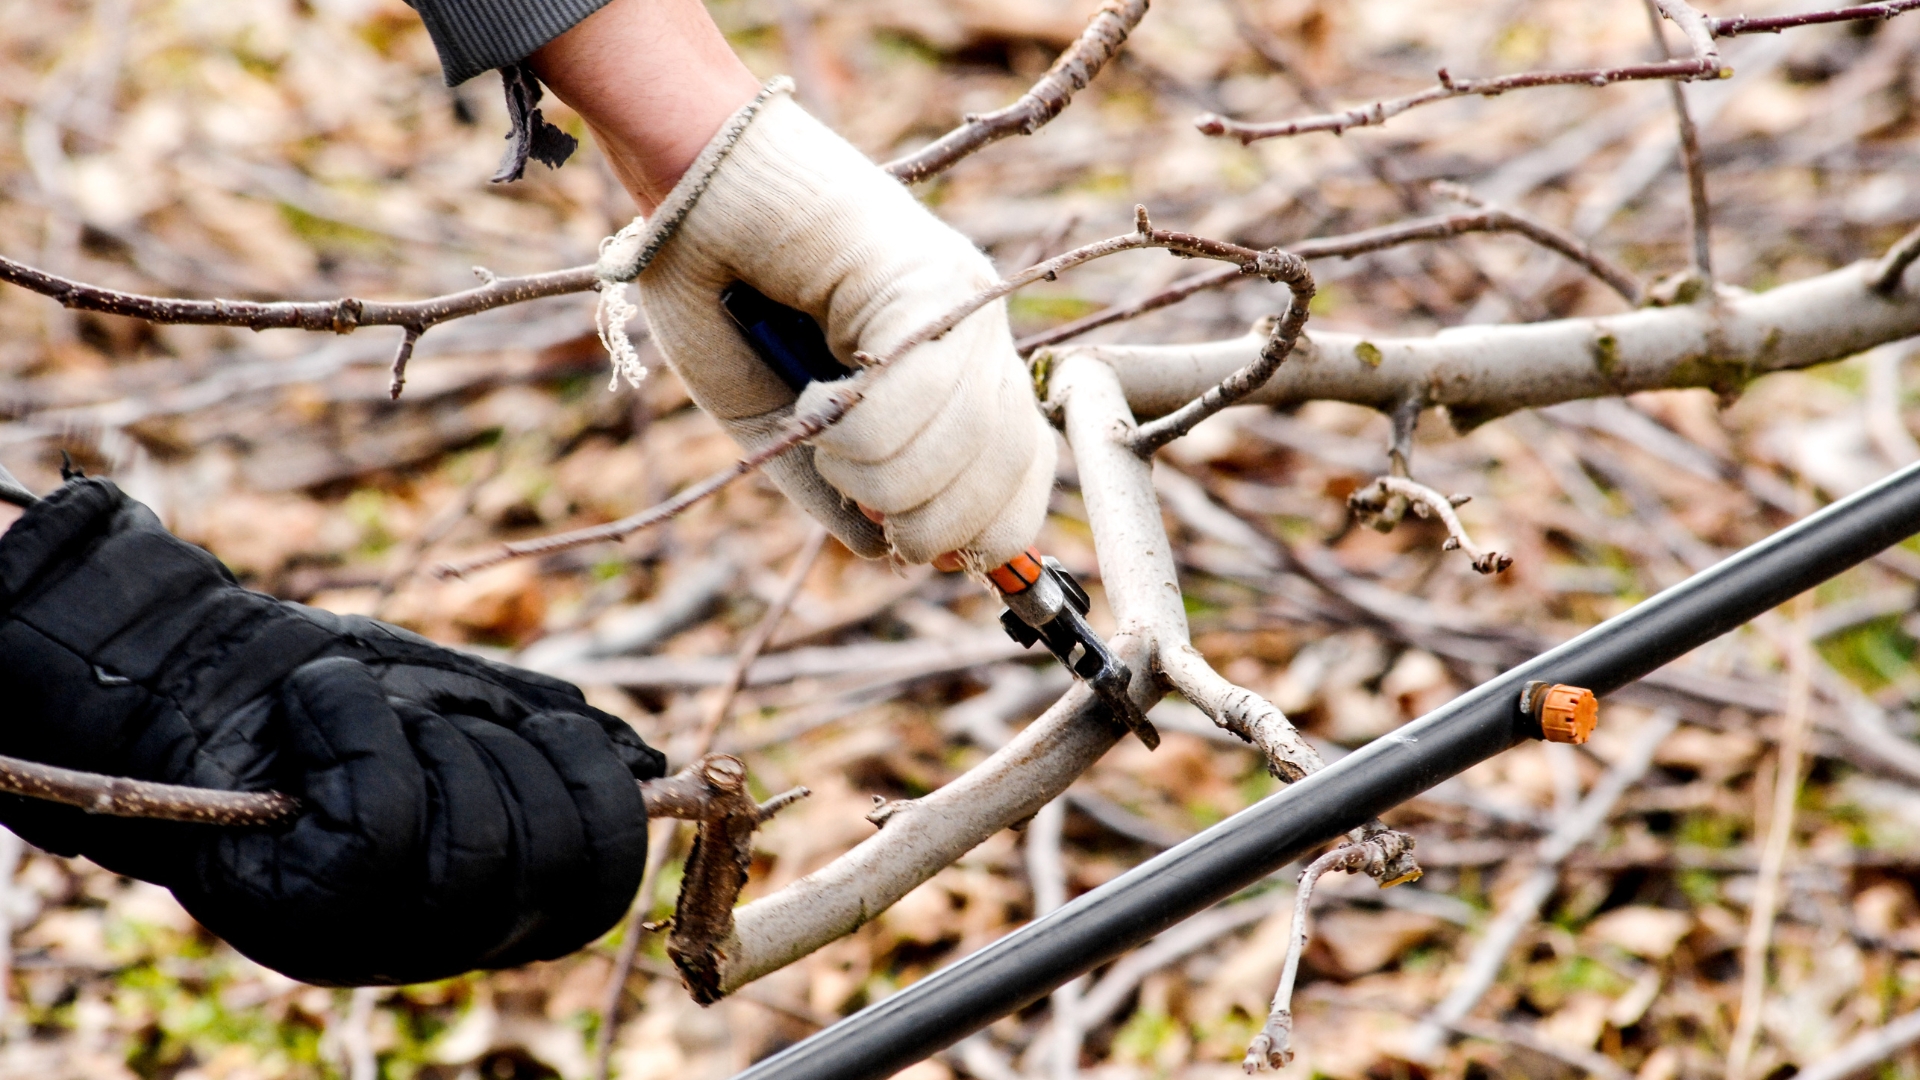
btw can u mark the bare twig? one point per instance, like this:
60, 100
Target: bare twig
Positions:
1698, 208
1766, 896
1376, 499
118, 796
1272, 1048
342, 316
1448, 87
1735, 25
1703, 64
1522, 906
1348, 245
1282, 333
1500, 219
1106, 31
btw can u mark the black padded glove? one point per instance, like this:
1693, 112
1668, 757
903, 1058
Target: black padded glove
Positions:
455, 814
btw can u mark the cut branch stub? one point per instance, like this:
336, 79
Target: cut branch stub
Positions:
713, 792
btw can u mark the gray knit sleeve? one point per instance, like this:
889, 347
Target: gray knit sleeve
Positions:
473, 36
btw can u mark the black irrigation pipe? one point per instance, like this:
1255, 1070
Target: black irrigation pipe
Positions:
950, 1004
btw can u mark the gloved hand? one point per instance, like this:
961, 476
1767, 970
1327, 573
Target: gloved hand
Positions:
949, 445
455, 813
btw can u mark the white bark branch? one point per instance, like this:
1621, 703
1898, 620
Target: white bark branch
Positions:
1482, 372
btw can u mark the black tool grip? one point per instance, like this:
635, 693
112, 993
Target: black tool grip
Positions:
786, 340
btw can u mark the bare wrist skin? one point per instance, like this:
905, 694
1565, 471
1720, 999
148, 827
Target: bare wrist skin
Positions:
653, 79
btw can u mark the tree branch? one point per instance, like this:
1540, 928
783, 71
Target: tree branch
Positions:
1698, 207
1106, 31
1482, 372
342, 316
1485, 219
118, 796
1700, 30
1282, 334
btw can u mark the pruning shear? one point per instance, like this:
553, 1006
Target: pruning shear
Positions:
1045, 605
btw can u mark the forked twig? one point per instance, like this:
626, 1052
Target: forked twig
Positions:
1377, 503
1699, 210
1485, 219
1272, 1048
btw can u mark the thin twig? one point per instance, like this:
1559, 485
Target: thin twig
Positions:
1735, 25
342, 316
1500, 219
1701, 31
1698, 209
118, 796
1282, 335
1766, 895
1347, 245
1447, 88
1522, 906
1376, 500
1272, 1048
762, 633
1106, 31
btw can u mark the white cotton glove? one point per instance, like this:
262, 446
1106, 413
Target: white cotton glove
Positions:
949, 444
